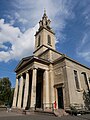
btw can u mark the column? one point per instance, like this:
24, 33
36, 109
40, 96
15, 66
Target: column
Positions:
33, 89
47, 88
26, 91
20, 93
52, 84
15, 94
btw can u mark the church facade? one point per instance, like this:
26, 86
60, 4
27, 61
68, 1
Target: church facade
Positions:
48, 77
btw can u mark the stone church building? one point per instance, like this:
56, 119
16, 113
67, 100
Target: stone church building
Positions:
49, 77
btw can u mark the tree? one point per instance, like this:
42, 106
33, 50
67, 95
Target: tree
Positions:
86, 97
5, 91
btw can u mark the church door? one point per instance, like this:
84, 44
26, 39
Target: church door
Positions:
60, 98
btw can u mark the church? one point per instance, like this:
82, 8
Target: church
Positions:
49, 78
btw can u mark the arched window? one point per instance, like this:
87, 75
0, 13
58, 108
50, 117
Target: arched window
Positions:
49, 40
39, 39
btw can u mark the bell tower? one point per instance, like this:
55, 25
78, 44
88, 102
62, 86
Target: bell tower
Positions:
44, 37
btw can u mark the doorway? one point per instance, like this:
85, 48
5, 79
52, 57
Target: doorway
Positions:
60, 98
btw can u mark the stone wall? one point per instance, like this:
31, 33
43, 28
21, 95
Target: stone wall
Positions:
76, 95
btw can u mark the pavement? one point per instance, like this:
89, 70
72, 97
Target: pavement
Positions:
4, 115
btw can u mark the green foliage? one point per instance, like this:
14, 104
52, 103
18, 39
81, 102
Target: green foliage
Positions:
5, 91
73, 107
86, 97
11, 98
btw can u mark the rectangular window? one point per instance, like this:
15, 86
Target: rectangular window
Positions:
76, 79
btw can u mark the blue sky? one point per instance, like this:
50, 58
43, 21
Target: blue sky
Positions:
19, 22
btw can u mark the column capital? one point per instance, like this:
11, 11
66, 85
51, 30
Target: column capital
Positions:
46, 69
16, 77
21, 74
34, 67
27, 71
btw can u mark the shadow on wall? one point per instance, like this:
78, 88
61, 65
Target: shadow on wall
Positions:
86, 97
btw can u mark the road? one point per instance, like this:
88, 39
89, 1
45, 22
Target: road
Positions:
14, 116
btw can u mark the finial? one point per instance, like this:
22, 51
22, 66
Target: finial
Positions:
44, 11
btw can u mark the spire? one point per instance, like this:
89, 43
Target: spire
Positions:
44, 15
45, 22
44, 11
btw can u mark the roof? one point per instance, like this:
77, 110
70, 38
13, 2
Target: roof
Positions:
23, 62
70, 59
27, 60
48, 48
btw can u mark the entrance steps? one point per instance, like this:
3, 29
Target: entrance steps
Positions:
44, 112
60, 112
32, 111
57, 112
17, 110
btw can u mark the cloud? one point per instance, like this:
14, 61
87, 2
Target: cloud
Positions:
3, 47
29, 13
84, 47
86, 12
20, 19
22, 44
58, 11
8, 32
16, 18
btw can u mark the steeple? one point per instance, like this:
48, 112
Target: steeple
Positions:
44, 37
44, 12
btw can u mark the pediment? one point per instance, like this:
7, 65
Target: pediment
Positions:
23, 62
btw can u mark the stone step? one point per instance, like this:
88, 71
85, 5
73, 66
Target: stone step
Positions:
17, 110
44, 112
60, 112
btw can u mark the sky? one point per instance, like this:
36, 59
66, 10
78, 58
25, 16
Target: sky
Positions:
70, 20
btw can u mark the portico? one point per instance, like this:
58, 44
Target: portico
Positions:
32, 87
